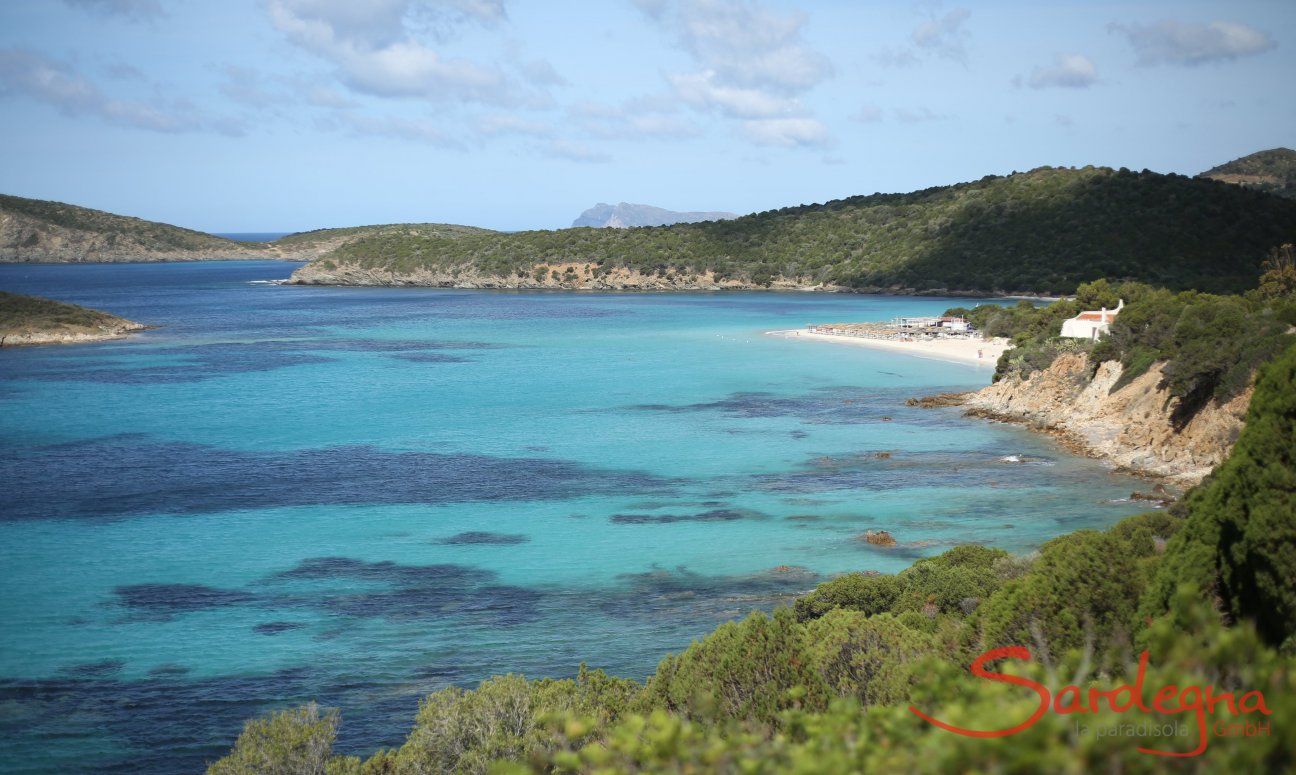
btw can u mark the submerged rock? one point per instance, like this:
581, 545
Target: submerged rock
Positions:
878, 538
940, 399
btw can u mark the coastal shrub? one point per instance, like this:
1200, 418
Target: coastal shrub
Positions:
847, 737
750, 669
1238, 545
291, 742
1279, 278
1083, 590
1192, 649
463, 730
950, 582
870, 658
869, 593
945, 581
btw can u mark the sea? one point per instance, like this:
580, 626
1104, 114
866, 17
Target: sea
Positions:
359, 496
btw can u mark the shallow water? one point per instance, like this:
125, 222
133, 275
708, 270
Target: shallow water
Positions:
363, 495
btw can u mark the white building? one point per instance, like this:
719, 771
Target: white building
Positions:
1091, 325
915, 322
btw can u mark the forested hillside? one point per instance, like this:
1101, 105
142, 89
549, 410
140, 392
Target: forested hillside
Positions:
1047, 230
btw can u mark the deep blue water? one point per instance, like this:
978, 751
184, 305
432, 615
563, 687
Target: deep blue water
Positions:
360, 496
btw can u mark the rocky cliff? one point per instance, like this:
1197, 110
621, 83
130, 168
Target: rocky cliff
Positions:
1130, 426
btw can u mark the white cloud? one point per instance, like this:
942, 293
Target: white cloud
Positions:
752, 66
705, 91
58, 85
374, 51
786, 132
1068, 71
651, 117
944, 35
1186, 43
747, 45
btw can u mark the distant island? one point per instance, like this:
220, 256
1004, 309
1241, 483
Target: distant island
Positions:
26, 320
1272, 171
626, 215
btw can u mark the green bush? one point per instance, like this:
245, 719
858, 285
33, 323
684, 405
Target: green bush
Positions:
1083, 590
849, 738
953, 582
1239, 542
751, 669
290, 742
870, 658
869, 593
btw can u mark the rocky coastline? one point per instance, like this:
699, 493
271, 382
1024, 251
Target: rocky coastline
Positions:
72, 337
31, 320
582, 277
1130, 427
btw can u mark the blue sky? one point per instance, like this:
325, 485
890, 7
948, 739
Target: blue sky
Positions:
278, 115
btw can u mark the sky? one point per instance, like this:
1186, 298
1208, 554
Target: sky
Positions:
286, 115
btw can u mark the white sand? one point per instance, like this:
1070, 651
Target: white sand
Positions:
977, 352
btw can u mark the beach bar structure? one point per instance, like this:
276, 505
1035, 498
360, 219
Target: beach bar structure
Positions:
931, 325
900, 329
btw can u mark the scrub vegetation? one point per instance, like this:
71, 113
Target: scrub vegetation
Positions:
1045, 231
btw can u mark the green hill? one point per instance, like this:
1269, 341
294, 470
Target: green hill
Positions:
1046, 230
1272, 171
36, 230
40, 230
309, 244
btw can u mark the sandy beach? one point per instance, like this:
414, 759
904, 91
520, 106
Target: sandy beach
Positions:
976, 352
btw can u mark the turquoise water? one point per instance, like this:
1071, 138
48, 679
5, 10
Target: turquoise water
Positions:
363, 495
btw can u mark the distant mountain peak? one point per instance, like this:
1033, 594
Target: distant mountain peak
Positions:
625, 215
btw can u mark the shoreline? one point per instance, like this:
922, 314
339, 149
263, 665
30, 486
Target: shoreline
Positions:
44, 338
964, 351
